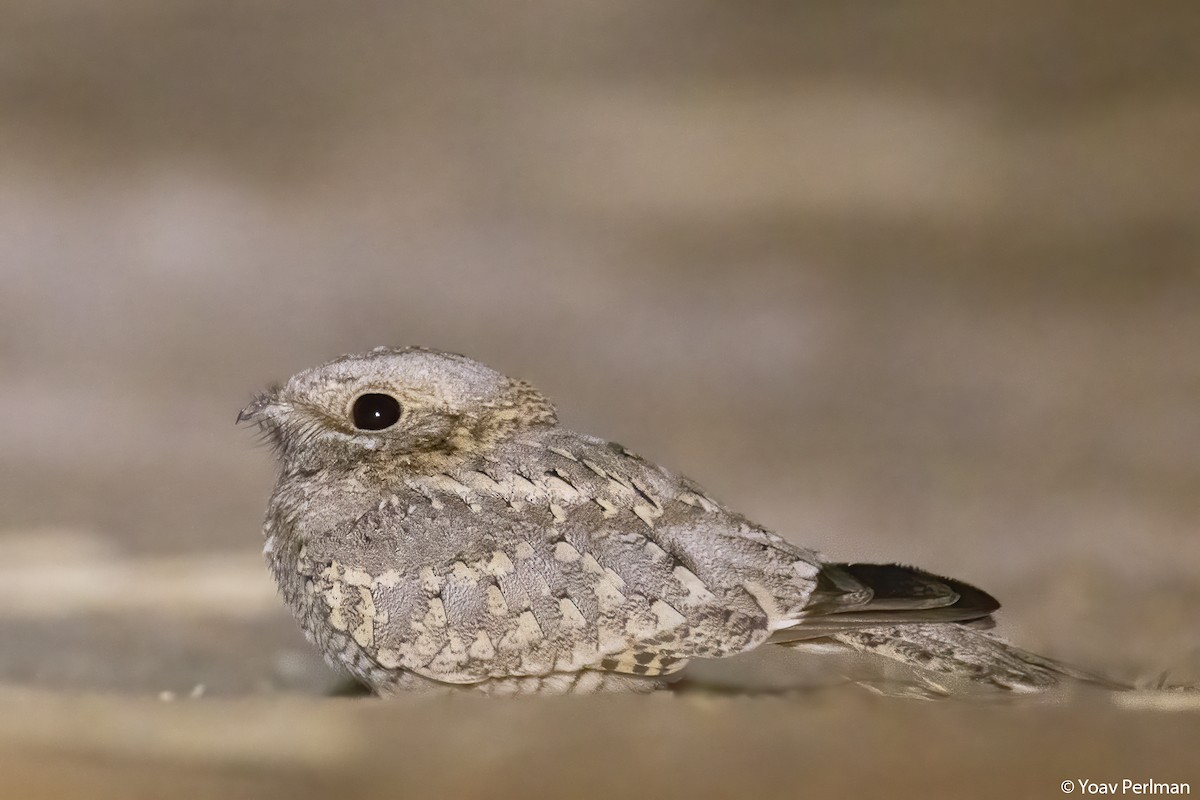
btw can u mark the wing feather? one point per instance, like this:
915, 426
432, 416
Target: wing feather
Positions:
593, 559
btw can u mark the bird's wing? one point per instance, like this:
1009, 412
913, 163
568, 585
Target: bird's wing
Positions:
854, 597
563, 555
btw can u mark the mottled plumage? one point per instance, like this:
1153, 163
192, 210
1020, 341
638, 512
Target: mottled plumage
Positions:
475, 542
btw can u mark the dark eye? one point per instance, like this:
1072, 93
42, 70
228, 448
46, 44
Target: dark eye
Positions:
374, 412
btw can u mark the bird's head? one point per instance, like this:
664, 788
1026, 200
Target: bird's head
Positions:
401, 404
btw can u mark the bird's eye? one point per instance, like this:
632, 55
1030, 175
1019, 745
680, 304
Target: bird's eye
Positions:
374, 412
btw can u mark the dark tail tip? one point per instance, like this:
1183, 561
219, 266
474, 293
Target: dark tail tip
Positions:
897, 585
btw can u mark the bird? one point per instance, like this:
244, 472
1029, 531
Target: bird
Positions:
434, 527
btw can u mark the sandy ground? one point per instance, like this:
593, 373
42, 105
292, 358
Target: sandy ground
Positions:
913, 282
832, 745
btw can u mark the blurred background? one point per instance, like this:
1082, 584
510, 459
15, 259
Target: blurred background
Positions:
912, 282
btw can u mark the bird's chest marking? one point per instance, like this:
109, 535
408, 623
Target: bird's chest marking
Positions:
348, 592
470, 617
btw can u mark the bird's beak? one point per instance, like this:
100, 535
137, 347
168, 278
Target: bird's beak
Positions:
260, 409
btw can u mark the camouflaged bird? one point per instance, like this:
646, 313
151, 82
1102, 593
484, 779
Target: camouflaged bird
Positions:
434, 526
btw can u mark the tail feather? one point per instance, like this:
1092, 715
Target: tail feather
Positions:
931, 624
953, 651
960, 652
860, 596
899, 588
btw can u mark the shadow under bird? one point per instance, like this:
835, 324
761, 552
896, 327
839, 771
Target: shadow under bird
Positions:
434, 527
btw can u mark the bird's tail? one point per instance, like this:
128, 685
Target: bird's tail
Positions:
934, 626
948, 653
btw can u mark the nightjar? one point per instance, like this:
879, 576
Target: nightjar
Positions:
433, 526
